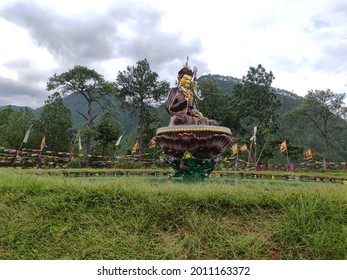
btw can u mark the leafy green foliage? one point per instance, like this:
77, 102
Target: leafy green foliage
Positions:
55, 121
324, 111
139, 89
88, 83
193, 169
225, 83
220, 103
107, 131
254, 101
254, 104
215, 104
74, 163
13, 126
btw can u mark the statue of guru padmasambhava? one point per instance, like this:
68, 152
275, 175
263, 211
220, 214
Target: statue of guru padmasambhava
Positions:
181, 102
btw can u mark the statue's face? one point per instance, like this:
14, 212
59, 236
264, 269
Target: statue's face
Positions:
185, 81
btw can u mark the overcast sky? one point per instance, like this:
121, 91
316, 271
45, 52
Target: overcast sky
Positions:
303, 42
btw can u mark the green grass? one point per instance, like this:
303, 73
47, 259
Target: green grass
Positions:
45, 217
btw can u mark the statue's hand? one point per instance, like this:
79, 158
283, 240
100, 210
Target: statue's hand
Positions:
196, 113
190, 96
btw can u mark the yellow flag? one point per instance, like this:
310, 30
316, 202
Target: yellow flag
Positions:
308, 154
234, 149
135, 147
284, 146
152, 143
244, 148
43, 143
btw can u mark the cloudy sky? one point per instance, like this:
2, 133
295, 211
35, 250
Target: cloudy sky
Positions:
303, 42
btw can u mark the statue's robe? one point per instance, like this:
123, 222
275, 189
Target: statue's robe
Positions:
181, 109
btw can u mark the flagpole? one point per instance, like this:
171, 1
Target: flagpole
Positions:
43, 143
115, 151
17, 153
284, 147
25, 140
255, 148
287, 159
253, 140
74, 142
249, 159
261, 152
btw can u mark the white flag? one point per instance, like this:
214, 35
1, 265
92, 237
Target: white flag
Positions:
120, 138
254, 137
79, 142
26, 137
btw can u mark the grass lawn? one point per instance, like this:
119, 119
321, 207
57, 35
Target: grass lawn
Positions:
133, 217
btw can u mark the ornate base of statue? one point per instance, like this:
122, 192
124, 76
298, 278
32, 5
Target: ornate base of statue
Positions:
194, 149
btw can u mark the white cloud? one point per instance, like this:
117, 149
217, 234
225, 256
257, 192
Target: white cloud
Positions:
303, 42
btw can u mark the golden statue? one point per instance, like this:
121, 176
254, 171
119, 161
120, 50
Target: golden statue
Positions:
181, 103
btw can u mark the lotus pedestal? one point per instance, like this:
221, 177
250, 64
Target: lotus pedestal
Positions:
194, 150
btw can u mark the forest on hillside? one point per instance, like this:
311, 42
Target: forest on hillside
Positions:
87, 114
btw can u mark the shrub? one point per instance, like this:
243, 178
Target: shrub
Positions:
74, 163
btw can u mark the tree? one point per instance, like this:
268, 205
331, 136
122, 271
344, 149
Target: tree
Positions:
140, 89
55, 121
151, 124
254, 104
107, 131
87, 83
14, 124
215, 103
325, 111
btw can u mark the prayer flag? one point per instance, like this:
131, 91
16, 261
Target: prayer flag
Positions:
308, 154
79, 142
120, 138
152, 143
254, 137
234, 149
284, 146
43, 143
133, 150
26, 137
244, 148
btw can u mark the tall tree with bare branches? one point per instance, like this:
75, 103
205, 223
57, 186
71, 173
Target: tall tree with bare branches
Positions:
87, 83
